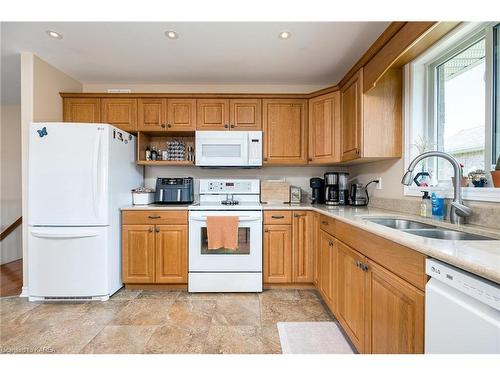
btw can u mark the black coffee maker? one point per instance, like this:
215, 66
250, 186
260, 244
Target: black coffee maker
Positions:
318, 190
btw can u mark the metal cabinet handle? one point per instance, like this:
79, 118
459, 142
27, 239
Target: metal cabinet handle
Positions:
226, 126
310, 159
169, 126
364, 267
265, 159
298, 215
162, 125
150, 230
154, 216
157, 230
232, 126
358, 264
324, 222
278, 216
330, 243
266, 230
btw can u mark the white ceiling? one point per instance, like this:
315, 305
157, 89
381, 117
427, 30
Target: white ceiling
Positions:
209, 53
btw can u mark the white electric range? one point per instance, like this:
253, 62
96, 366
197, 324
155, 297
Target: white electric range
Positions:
225, 270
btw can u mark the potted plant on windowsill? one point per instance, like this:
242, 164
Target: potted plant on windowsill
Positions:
495, 175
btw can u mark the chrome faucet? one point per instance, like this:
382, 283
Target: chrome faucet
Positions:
458, 210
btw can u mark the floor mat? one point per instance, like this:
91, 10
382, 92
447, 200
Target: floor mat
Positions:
312, 338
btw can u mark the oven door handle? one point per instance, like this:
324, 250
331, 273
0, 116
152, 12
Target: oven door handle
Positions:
242, 218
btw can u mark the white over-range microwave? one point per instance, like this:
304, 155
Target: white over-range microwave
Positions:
228, 148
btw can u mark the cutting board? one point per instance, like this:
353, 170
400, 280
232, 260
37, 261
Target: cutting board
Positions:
274, 191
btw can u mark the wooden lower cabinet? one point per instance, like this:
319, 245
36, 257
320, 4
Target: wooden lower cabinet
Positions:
395, 314
327, 269
303, 247
154, 254
171, 254
138, 254
351, 294
277, 253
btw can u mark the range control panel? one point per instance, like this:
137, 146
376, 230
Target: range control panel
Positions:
248, 186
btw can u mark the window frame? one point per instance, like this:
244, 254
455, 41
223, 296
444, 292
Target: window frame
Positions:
420, 113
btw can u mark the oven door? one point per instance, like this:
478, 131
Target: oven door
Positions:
248, 256
221, 148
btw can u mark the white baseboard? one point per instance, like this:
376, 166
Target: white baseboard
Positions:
24, 292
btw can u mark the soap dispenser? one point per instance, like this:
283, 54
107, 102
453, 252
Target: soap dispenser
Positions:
426, 205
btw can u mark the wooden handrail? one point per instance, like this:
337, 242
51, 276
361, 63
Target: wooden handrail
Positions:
10, 228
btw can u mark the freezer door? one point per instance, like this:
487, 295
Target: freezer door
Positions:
68, 169
67, 261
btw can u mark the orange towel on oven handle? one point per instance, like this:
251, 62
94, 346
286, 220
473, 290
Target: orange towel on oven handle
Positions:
222, 232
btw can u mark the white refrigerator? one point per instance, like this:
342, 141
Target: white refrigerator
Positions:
79, 176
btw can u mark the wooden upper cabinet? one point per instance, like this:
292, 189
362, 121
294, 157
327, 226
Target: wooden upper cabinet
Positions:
395, 314
245, 114
352, 117
212, 114
351, 296
277, 253
303, 247
138, 253
324, 129
171, 254
82, 110
151, 114
166, 114
120, 112
181, 114
285, 131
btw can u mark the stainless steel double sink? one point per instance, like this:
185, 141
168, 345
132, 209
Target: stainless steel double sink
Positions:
426, 230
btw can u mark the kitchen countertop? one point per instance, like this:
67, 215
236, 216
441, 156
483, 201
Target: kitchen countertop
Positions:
478, 257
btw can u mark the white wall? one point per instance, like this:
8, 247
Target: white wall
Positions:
40, 101
10, 190
202, 88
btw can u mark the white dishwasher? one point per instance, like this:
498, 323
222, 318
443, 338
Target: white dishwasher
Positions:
462, 312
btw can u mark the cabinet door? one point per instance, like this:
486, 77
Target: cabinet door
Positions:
181, 114
82, 110
171, 254
352, 117
121, 113
317, 244
151, 114
285, 131
351, 293
138, 258
395, 316
246, 114
327, 254
303, 247
324, 129
212, 114
277, 253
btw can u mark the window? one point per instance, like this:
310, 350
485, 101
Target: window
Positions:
458, 127
452, 99
496, 94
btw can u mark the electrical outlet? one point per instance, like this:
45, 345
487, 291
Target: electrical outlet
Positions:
379, 185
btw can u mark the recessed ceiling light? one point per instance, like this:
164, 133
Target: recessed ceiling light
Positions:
285, 35
54, 34
171, 34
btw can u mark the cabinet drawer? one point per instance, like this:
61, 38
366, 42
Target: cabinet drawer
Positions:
327, 224
154, 217
277, 217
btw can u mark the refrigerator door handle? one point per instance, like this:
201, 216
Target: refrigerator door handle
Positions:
97, 171
95, 160
64, 235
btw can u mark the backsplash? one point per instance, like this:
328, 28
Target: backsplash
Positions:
483, 214
297, 176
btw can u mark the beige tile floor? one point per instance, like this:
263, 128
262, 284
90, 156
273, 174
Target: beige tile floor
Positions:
157, 322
